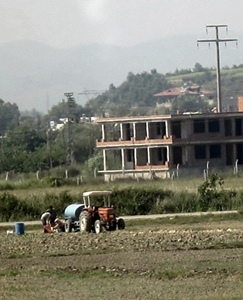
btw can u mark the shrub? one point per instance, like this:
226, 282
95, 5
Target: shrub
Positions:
138, 201
8, 206
6, 186
185, 202
213, 197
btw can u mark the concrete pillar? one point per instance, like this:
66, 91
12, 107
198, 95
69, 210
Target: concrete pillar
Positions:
147, 130
168, 154
104, 159
135, 157
123, 158
233, 127
223, 153
122, 131
134, 130
148, 150
234, 154
103, 131
207, 152
167, 129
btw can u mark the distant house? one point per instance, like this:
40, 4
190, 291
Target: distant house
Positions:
166, 97
63, 121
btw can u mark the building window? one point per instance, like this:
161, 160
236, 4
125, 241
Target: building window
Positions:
215, 151
177, 155
129, 155
160, 128
228, 127
213, 126
128, 131
238, 127
199, 126
160, 157
200, 152
176, 129
239, 153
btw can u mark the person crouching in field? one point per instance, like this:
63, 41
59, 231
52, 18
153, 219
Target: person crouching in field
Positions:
59, 226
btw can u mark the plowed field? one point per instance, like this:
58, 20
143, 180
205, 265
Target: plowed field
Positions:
179, 262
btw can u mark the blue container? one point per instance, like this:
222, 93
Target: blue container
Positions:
73, 211
19, 228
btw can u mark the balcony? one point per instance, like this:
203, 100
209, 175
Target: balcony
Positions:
134, 142
153, 167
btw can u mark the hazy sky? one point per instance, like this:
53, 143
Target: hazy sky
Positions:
65, 23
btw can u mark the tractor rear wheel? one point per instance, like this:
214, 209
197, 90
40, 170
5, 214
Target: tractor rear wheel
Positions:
68, 226
121, 224
85, 221
97, 226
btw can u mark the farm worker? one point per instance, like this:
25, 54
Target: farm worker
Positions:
45, 219
59, 225
53, 213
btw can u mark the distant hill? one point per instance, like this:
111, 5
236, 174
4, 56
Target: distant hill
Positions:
37, 76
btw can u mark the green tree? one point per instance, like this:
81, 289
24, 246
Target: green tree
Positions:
18, 148
189, 104
63, 110
137, 91
9, 116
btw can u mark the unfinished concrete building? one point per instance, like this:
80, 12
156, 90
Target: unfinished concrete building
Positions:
162, 144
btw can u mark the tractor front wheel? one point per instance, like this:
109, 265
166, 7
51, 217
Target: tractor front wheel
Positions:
112, 225
121, 224
97, 226
85, 222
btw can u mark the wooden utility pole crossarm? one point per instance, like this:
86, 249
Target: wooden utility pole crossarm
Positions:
217, 41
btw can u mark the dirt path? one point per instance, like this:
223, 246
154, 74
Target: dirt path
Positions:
6, 224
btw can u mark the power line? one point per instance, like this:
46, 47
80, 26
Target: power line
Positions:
90, 93
217, 40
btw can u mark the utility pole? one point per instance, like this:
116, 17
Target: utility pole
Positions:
217, 40
71, 104
49, 149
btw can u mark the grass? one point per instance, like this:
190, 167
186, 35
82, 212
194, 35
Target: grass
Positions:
185, 220
181, 184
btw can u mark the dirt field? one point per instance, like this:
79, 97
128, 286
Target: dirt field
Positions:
200, 261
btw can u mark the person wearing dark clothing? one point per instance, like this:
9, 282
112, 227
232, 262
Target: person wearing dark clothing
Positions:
53, 213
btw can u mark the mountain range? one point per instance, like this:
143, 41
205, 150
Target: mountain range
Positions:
36, 76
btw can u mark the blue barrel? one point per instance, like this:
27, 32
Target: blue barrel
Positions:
19, 228
73, 211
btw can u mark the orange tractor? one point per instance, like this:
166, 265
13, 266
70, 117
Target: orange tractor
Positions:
99, 218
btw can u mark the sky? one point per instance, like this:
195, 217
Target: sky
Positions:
64, 24
67, 23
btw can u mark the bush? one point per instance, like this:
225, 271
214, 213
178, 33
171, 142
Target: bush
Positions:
6, 187
8, 206
138, 201
213, 197
185, 202
12, 209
